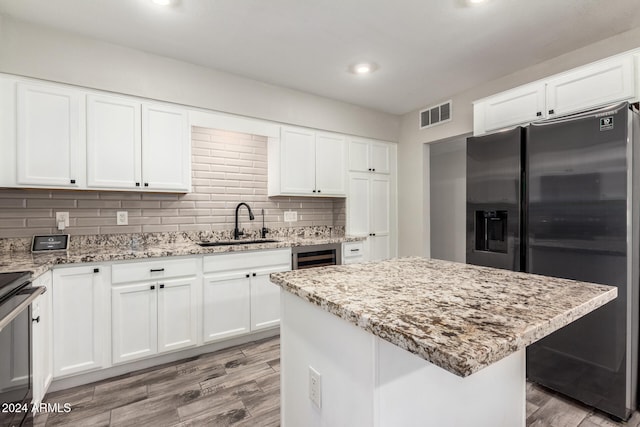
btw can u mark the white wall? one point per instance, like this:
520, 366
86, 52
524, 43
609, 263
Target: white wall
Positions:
413, 213
447, 194
48, 54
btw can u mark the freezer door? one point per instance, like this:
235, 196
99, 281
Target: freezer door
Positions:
577, 229
493, 199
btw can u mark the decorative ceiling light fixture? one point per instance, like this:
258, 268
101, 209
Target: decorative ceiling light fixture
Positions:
363, 68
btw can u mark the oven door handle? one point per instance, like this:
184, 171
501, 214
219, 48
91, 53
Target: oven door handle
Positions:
33, 293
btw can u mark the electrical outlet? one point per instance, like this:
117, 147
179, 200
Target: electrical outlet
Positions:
315, 387
62, 218
122, 218
290, 216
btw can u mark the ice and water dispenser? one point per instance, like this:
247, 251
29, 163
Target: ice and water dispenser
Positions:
491, 231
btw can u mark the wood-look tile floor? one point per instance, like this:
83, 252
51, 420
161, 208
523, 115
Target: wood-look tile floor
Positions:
240, 386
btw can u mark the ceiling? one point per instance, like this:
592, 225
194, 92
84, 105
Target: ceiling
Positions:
427, 50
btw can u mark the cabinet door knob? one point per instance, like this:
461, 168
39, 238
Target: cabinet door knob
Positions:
146, 184
318, 191
314, 191
539, 113
73, 181
162, 286
369, 169
254, 274
248, 275
96, 270
152, 287
551, 112
374, 169
37, 319
137, 184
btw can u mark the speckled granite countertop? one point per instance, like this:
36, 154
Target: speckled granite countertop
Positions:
457, 316
104, 249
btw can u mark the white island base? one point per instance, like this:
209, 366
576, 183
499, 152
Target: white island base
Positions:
368, 382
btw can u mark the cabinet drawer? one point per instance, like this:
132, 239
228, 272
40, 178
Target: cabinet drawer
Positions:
353, 249
244, 260
150, 270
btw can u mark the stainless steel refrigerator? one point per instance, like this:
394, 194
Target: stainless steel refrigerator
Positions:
560, 198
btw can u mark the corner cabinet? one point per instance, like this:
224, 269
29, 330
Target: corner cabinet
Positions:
238, 296
303, 162
597, 84
80, 319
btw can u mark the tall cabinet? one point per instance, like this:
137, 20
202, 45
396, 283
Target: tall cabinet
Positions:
371, 196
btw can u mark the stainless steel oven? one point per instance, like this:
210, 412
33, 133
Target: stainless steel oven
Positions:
16, 296
316, 256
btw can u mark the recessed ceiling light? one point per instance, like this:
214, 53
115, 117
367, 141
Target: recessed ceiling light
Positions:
363, 68
475, 2
162, 2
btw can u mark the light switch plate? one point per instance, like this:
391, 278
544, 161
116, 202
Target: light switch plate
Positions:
290, 216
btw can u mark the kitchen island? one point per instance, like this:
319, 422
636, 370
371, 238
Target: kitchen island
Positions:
417, 342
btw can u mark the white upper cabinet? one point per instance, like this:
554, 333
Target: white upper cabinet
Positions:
59, 136
307, 163
49, 136
597, 84
298, 161
166, 152
368, 156
113, 142
522, 105
331, 165
592, 85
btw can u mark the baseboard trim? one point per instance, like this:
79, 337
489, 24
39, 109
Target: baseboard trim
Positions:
114, 371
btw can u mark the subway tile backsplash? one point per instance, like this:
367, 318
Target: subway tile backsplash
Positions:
227, 168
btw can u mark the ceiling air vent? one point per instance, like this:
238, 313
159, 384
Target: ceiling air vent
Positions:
435, 115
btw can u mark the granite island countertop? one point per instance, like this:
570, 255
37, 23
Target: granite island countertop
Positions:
113, 250
457, 316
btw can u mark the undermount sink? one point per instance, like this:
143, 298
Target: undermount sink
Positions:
236, 242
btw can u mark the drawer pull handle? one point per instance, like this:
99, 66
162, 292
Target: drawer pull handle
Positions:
355, 250
157, 270
37, 319
162, 286
96, 270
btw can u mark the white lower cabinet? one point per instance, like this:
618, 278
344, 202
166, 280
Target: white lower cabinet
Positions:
155, 316
133, 317
42, 358
353, 252
80, 319
369, 212
265, 298
238, 296
226, 306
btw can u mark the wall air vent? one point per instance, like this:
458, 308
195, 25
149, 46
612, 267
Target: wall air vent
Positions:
435, 115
